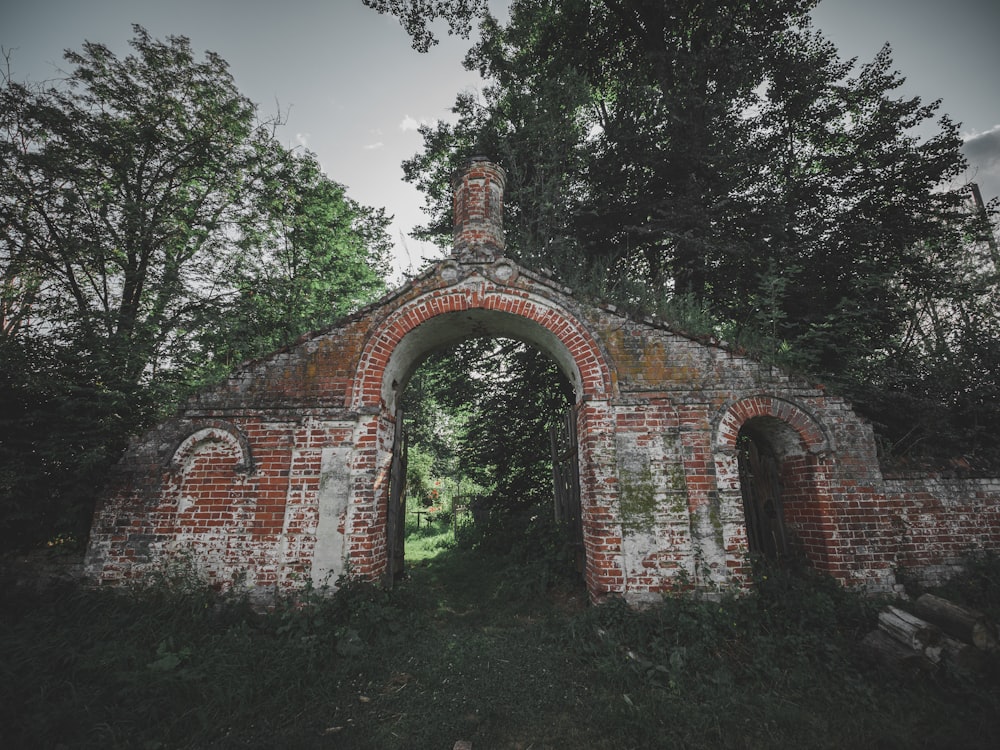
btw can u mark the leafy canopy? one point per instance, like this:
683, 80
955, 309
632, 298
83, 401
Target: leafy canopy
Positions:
719, 160
153, 232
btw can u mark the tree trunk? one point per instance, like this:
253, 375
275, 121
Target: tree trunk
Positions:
889, 652
960, 622
911, 631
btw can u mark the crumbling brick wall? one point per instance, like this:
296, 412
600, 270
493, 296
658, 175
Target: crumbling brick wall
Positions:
278, 476
938, 522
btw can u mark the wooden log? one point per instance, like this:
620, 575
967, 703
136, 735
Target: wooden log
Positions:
909, 629
889, 652
962, 658
960, 622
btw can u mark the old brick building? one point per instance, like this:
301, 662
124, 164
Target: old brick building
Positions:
688, 453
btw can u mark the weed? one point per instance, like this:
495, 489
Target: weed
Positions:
470, 646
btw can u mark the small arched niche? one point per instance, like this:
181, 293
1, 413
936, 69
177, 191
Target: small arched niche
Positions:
784, 494
775, 457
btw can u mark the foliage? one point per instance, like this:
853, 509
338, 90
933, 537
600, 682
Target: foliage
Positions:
478, 418
978, 586
152, 234
437, 409
60, 428
466, 648
309, 256
458, 407
513, 443
724, 154
427, 540
121, 187
417, 16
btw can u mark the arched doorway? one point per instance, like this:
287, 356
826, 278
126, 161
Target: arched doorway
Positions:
470, 308
761, 490
771, 456
510, 496
480, 485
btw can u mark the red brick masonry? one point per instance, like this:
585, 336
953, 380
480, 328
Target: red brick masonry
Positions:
277, 477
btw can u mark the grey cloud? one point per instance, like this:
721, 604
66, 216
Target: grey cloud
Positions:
983, 152
983, 148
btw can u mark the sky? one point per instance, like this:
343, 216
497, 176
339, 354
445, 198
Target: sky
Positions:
353, 91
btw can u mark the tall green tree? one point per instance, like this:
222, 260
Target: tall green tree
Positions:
852, 198
121, 188
720, 157
152, 230
309, 255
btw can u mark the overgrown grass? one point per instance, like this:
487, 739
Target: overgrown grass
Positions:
464, 649
429, 538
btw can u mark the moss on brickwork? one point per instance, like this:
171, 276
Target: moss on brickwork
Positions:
678, 486
638, 499
715, 519
676, 479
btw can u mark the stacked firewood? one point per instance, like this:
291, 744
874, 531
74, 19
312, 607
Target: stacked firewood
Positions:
938, 635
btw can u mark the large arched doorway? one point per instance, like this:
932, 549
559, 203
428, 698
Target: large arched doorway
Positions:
476, 308
479, 489
435, 336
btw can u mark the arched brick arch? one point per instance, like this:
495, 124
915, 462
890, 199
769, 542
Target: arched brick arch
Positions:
218, 432
814, 439
803, 446
575, 349
476, 306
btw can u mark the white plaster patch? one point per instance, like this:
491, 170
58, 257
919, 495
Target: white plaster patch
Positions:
329, 560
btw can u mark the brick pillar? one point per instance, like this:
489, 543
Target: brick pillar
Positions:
478, 204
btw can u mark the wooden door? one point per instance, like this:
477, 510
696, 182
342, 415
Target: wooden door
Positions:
566, 482
395, 526
760, 482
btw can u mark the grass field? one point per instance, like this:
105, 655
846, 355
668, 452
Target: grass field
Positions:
495, 649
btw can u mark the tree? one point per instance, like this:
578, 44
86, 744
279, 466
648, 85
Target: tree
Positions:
458, 410
121, 190
147, 216
513, 443
309, 256
720, 158
854, 197
416, 16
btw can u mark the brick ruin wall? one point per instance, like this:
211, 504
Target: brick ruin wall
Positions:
278, 476
939, 522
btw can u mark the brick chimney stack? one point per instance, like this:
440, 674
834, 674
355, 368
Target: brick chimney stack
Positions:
478, 203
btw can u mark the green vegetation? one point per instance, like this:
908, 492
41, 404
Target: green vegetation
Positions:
478, 418
720, 165
428, 539
153, 235
469, 646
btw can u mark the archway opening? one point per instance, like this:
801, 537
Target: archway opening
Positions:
479, 495
784, 496
762, 445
